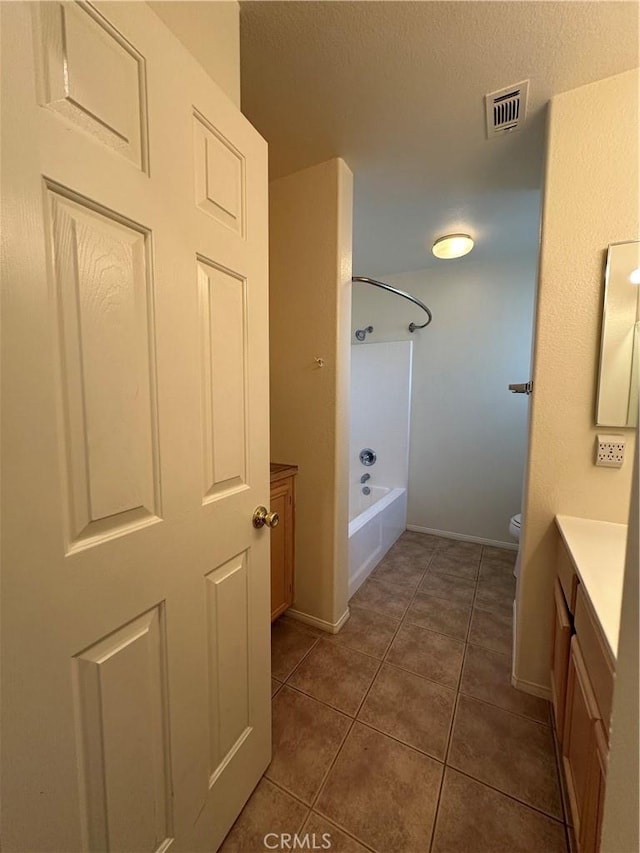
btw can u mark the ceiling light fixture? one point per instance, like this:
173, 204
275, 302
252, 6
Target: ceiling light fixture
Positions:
452, 246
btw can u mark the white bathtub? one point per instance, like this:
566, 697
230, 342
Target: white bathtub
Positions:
376, 521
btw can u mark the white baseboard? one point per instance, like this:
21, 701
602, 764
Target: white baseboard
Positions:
447, 534
530, 687
321, 624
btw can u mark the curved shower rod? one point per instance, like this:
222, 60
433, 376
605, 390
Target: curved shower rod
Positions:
412, 326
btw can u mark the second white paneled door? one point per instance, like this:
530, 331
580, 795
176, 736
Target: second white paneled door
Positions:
135, 590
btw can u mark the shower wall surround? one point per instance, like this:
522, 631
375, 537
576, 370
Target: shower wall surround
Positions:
380, 406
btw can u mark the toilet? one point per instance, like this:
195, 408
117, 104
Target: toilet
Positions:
515, 529
515, 525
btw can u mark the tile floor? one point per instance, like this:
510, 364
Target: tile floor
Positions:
402, 733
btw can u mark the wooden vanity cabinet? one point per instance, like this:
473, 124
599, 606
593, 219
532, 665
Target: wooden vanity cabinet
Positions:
591, 829
560, 660
582, 675
282, 538
579, 739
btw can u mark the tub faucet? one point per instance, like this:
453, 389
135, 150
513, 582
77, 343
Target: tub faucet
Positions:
365, 477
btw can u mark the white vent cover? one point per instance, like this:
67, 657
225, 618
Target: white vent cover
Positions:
506, 109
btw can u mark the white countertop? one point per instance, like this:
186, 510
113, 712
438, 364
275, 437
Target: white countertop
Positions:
597, 550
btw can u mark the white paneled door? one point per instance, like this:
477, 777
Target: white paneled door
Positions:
135, 590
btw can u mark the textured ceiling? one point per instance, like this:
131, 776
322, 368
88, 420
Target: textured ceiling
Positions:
397, 89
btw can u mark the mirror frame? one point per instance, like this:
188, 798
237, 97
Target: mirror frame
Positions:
601, 417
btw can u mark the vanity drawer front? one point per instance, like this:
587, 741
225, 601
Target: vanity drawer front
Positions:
566, 575
596, 656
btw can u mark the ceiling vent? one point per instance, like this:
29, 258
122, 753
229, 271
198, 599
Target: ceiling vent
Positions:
506, 109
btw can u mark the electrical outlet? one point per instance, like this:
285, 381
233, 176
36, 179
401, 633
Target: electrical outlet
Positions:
610, 450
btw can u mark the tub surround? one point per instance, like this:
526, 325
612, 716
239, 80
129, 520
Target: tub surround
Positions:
380, 411
597, 550
372, 532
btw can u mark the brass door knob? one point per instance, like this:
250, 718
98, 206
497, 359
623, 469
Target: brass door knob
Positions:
261, 517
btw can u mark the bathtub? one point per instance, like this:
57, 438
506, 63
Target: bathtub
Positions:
375, 522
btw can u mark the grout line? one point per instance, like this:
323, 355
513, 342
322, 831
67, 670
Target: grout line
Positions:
348, 832
304, 657
545, 726
401, 742
500, 707
508, 796
286, 791
325, 776
455, 706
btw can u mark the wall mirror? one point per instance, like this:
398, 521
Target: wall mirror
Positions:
617, 403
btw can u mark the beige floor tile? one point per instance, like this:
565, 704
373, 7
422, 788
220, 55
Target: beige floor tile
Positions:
447, 586
414, 548
426, 653
437, 614
427, 540
496, 600
306, 738
487, 675
491, 630
403, 572
322, 831
366, 632
383, 597
382, 792
498, 577
285, 619
452, 562
499, 555
471, 550
411, 709
506, 751
268, 810
335, 674
475, 819
289, 645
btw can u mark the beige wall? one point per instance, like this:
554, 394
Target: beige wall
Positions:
310, 305
468, 433
211, 33
591, 199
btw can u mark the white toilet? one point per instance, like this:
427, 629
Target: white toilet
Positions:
515, 529
515, 525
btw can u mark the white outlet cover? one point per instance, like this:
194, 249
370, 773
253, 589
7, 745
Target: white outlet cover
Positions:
610, 450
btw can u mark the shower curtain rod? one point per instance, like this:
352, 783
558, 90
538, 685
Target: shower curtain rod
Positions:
412, 326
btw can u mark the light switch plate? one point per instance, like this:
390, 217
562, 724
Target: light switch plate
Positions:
610, 450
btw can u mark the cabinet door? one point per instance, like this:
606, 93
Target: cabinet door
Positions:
579, 739
591, 828
560, 658
282, 548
